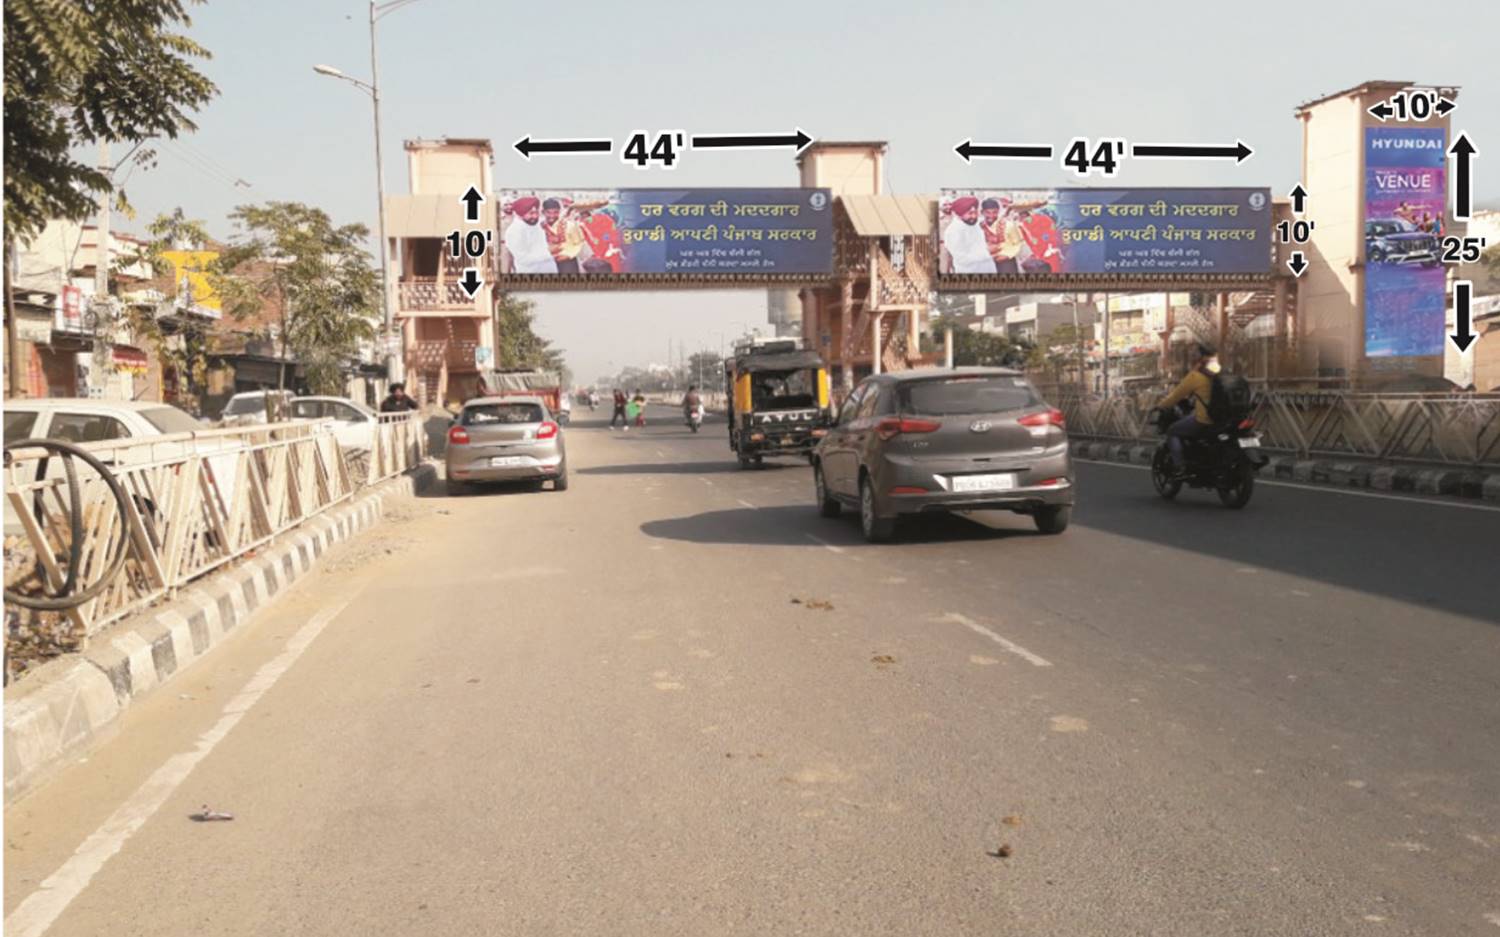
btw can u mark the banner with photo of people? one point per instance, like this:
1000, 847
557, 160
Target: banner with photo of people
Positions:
1405, 194
1056, 232
609, 233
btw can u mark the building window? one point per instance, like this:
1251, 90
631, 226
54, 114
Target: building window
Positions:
425, 257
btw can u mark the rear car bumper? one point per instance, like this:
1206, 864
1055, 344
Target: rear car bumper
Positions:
935, 480
1017, 499
478, 468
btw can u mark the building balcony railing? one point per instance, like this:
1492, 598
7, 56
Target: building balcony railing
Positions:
431, 354
432, 295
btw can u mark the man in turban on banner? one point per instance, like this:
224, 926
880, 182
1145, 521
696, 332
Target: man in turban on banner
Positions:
525, 241
964, 239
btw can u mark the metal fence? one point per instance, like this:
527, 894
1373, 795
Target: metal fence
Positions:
181, 507
1459, 430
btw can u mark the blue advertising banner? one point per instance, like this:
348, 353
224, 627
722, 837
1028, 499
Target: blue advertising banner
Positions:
1405, 191
752, 233
1056, 232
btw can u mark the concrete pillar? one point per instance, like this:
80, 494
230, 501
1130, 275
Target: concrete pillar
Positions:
948, 348
1221, 307
875, 348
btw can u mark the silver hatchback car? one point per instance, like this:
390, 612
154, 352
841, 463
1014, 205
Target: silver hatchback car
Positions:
505, 439
945, 440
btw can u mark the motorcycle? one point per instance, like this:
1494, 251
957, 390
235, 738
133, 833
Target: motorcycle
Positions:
1225, 458
695, 418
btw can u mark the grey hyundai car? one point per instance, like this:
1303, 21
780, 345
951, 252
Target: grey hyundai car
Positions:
965, 439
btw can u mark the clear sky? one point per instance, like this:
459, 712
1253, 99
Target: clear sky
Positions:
922, 74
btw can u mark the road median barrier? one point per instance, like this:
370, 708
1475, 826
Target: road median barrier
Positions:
67, 706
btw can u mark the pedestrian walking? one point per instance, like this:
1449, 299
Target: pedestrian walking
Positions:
640, 409
619, 413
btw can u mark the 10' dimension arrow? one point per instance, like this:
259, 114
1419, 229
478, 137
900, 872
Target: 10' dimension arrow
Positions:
1239, 152
526, 146
969, 149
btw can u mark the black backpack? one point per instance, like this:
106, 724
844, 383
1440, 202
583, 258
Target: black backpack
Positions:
1229, 401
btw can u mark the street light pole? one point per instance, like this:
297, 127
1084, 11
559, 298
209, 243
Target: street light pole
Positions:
395, 364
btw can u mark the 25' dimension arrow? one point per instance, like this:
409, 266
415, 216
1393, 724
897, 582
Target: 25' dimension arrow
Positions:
1239, 152
526, 146
1463, 334
969, 149
1462, 152
798, 138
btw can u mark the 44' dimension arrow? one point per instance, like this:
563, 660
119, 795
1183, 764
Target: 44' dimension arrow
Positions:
526, 146
1239, 152
968, 149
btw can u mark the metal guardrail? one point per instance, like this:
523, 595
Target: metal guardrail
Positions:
1458, 430
194, 503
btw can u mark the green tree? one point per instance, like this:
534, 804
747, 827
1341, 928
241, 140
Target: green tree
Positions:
518, 345
319, 277
86, 71
972, 347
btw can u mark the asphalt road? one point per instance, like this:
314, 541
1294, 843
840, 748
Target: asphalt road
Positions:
673, 700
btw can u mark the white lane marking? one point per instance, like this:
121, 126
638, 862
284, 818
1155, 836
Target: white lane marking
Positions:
1329, 489
660, 454
747, 504
706, 481
825, 543
42, 908
1006, 643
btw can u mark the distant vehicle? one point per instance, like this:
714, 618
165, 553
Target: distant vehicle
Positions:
1398, 241
531, 382
779, 400
506, 439
945, 440
354, 423
249, 408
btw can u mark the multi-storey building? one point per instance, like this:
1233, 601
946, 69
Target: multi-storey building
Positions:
449, 335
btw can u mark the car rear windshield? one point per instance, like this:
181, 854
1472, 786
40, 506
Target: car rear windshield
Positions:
968, 395
486, 413
171, 420
240, 405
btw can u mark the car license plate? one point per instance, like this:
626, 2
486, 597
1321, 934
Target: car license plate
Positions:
507, 461
1003, 482
1249, 442
788, 441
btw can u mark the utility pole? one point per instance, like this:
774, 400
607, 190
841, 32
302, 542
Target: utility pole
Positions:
100, 307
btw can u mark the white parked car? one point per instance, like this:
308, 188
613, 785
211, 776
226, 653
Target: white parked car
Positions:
249, 408
84, 420
354, 423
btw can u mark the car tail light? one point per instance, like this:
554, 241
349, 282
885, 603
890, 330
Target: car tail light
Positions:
1247, 423
1052, 417
908, 490
892, 427
820, 432
547, 430
458, 436
1050, 482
